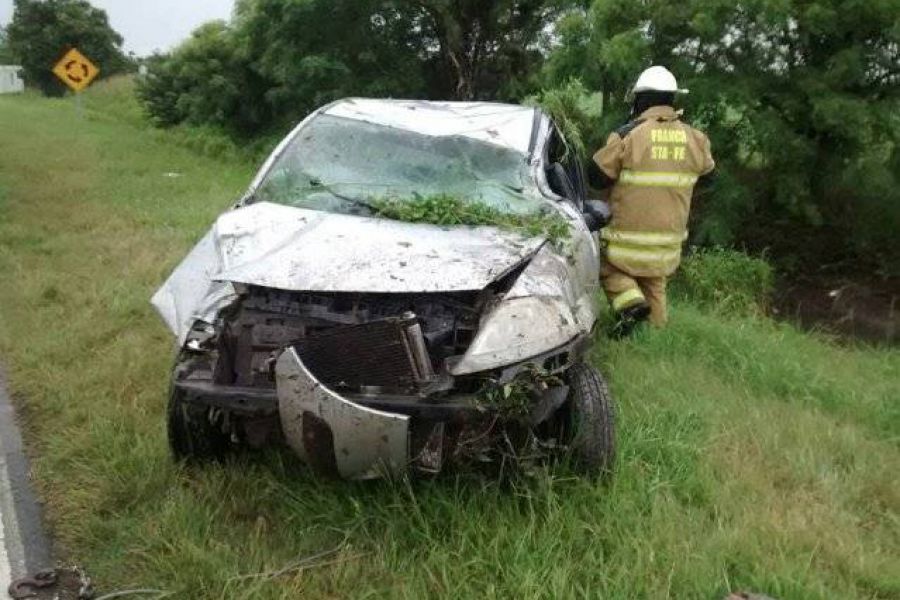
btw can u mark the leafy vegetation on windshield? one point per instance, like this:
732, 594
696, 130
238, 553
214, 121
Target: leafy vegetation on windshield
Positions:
336, 164
443, 209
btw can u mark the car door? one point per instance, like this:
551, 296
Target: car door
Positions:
565, 174
566, 179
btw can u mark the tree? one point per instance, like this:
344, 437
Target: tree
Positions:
485, 50
42, 30
310, 52
205, 80
800, 97
6, 55
287, 57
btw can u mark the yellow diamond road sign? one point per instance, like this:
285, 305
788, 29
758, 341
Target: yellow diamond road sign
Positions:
75, 70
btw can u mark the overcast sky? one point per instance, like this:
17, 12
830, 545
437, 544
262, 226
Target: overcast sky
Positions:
149, 25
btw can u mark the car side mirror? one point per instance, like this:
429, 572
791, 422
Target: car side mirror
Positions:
596, 214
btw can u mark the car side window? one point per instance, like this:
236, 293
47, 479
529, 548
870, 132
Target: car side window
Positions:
564, 172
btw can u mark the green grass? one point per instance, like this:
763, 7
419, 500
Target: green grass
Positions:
752, 456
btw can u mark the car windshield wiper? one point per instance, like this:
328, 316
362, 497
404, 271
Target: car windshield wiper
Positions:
329, 187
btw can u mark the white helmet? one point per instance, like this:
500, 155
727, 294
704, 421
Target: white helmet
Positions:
657, 79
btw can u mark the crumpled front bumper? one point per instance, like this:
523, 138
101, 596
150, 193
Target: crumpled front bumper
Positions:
333, 434
366, 437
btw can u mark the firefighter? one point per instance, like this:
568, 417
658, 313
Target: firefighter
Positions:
650, 166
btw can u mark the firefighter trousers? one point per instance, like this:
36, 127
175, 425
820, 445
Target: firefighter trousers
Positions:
624, 291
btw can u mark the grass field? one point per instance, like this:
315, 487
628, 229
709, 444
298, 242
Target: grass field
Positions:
752, 456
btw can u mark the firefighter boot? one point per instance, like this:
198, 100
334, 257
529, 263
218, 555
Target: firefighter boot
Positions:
628, 320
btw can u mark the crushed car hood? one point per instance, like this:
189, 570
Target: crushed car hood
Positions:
295, 249
305, 250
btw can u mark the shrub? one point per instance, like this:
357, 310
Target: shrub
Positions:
725, 280
205, 81
576, 112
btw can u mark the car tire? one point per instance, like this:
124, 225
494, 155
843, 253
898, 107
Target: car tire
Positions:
591, 421
192, 437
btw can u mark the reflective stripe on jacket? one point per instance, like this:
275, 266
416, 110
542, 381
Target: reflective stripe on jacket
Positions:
646, 253
655, 165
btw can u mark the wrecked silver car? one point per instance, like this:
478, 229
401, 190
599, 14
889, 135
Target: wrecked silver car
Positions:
330, 310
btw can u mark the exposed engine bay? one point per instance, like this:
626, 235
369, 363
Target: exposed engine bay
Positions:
356, 343
384, 351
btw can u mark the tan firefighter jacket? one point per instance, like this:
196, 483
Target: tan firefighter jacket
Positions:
655, 162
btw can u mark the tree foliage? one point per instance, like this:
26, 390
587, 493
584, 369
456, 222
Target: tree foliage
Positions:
485, 50
6, 55
207, 79
41, 31
279, 59
801, 99
310, 52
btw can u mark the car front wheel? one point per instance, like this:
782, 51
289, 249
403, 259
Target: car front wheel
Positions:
192, 435
591, 421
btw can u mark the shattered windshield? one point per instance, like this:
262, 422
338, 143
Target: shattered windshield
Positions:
342, 165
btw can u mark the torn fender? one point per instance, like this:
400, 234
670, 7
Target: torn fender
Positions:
333, 434
190, 293
546, 308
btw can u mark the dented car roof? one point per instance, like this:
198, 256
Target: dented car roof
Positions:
506, 125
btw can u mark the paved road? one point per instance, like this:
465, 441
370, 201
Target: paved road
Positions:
23, 546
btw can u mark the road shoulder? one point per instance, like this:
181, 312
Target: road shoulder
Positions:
24, 547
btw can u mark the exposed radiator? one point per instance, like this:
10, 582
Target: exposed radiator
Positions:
388, 354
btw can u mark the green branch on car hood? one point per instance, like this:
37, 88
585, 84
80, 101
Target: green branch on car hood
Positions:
448, 210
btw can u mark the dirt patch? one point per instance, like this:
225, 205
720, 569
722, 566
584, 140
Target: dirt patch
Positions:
867, 309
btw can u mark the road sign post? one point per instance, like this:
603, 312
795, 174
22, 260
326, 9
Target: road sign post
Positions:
76, 70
